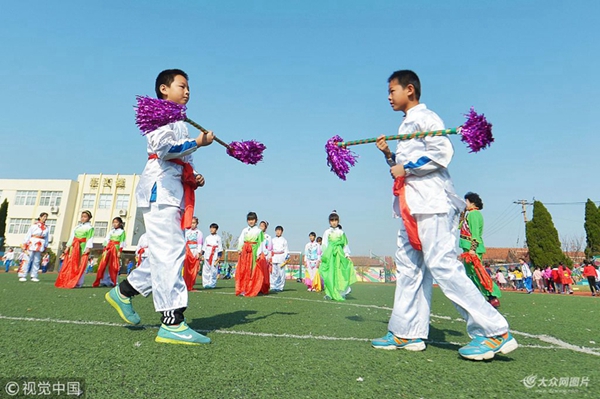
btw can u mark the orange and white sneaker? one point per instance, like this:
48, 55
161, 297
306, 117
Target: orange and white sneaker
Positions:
484, 348
391, 342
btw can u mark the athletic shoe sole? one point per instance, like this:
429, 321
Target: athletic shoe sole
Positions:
415, 347
117, 308
508, 347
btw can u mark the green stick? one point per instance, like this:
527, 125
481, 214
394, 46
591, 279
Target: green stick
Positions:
415, 135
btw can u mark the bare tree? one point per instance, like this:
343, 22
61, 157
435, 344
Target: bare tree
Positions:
229, 242
572, 244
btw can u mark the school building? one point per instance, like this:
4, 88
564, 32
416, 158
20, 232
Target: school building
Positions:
105, 196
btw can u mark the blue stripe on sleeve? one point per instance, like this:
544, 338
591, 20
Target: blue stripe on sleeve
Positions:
179, 148
420, 162
153, 193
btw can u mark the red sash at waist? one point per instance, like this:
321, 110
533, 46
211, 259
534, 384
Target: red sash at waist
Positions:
189, 185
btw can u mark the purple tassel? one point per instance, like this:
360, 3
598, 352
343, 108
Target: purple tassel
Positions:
476, 131
339, 158
152, 113
249, 152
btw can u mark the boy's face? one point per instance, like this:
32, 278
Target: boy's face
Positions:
319, 240
311, 238
251, 222
178, 92
213, 230
398, 96
334, 223
278, 233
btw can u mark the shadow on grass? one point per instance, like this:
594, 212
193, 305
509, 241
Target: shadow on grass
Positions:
228, 320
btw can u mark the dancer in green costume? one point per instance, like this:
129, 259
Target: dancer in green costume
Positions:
337, 270
471, 242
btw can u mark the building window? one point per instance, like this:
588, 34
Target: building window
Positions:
51, 224
51, 198
19, 226
105, 201
26, 197
100, 229
88, 201
122, 201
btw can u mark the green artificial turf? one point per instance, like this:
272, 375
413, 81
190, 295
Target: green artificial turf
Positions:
292, 344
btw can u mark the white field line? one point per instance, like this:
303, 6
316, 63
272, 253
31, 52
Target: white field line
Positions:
558, 344
542, 337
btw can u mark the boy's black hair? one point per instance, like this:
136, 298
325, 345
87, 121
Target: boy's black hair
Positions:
214, 226
278, 228
312, 233
319, 238
167, 77
334, 216
251, 216
407, 77
118, 219
476, 200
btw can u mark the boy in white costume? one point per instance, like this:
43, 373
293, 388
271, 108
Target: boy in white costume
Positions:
280, 256
193, 252
160, 195
141, 251
428, 205
212, 251
35, 244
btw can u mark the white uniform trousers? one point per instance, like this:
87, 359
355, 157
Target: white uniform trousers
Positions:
438, 260
161, 274
277, 277
209, 274
33, 266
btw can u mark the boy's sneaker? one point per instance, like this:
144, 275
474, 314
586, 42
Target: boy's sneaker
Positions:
35, 279
390, 342
484, 348
123, 306
22, 279
182, 334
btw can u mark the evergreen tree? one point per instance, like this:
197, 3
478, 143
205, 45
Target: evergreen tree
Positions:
542, 239
3, 216
592, 229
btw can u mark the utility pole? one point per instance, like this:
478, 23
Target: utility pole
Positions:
523, 204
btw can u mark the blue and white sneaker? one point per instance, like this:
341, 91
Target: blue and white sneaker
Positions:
122, 306
182, 335
391, 342
484, 348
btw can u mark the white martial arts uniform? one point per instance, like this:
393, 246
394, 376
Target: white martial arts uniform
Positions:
159, 196
35, 243
280, 255
211, 250
432, 201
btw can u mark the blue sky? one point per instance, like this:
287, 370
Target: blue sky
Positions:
293, 74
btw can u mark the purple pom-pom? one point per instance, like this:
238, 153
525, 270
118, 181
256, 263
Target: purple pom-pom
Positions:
476, 131
249, 152
339, 158
152, 113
